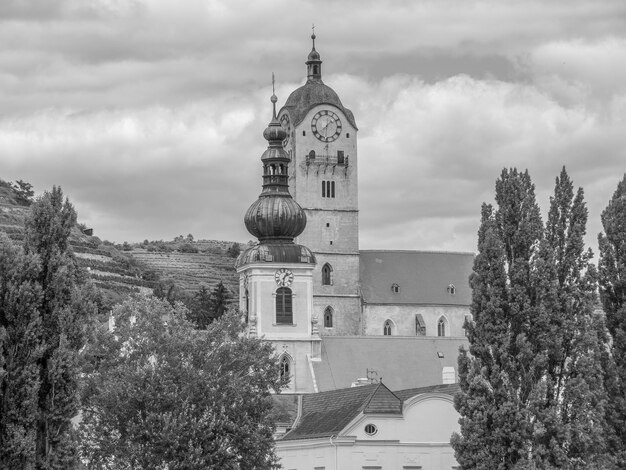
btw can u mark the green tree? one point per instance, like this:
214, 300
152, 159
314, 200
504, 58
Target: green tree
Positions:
531, 391
66, 311
612, 273
161, 394
24, 192
233, 250
570, 429
20, 351
206, 307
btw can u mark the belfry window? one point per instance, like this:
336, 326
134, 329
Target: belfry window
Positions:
327, 272
441, 327
284, 369
284, 306
328, 317
328, 189
387, 328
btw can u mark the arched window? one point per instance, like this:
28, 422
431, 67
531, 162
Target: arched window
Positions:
327, 278
284, 306
284, 368
328, 317
395, 288
451, 289
247, 295
387, 328
441, 327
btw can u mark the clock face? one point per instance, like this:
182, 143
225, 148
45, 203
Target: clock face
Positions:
284, 121
326, 126
283, 277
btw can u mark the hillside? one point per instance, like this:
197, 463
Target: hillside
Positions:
121, 269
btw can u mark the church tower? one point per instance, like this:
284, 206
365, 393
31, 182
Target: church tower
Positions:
276, 275
321, 141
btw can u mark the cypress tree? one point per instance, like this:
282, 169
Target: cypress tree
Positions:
65, 311
531, 389
612, 274
20, 329
496, 375
571, 429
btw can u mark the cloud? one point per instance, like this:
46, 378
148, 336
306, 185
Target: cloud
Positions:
150, 113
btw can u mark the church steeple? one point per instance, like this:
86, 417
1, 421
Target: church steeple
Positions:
275, 217
314, 63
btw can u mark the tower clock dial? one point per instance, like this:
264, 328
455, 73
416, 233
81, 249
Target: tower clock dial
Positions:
284, 121
283, 277
326, 126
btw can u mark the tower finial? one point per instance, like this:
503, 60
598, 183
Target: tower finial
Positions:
313, 35
273, 99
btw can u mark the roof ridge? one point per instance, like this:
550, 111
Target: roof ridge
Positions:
419, 251
375, 392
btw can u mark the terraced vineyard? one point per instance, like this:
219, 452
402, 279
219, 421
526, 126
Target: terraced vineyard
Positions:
191, 270
119, 273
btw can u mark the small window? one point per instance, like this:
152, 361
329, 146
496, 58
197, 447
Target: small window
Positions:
371, 429
328, 317
284, 306
441, 327
331, 242
327, 224
340, 157
327, 275
451, 289
284, 369
347, 135
395, 288
387, 328
303, 133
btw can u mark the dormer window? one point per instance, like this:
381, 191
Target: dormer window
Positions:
395, 288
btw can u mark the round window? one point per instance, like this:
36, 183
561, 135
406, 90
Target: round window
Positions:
370, 429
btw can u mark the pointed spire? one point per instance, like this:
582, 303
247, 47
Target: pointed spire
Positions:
314, 63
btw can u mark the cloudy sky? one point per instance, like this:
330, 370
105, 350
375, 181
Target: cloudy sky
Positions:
149, 113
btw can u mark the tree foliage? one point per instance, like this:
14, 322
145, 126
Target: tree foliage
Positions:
24, 192
161, 394
20, 351
46, 312
233, 250
531, 389
612, 271
206, 307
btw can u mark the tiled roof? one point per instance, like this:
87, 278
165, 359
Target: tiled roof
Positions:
401, 362
422, 276
326, 413
311, 94
448, 389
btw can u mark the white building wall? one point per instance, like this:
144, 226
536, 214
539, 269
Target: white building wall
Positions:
403, 317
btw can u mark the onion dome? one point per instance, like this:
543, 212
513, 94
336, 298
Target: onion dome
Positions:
275, 216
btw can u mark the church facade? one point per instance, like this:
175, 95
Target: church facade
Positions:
308, 288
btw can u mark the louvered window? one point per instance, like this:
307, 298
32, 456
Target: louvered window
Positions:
284, 306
